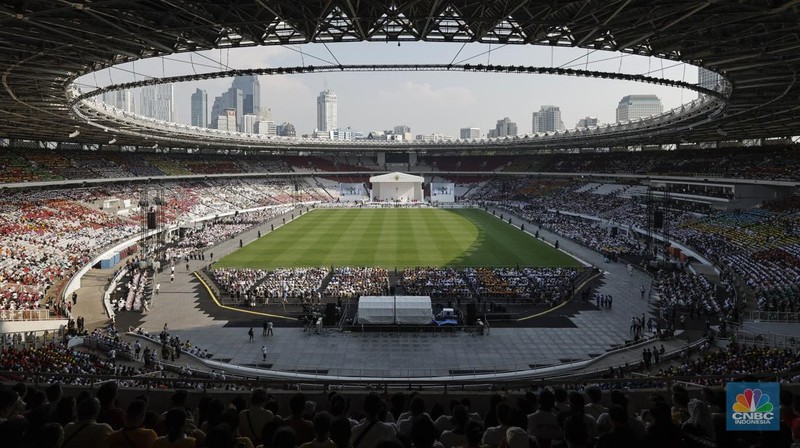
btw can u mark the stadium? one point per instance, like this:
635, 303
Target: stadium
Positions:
625, 284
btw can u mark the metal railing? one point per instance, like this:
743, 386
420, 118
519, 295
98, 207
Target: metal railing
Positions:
746, 337
772, 316
19, 315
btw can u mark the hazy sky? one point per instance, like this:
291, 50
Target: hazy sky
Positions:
428, 102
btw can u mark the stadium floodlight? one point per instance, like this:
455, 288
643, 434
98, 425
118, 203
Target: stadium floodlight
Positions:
112, 141
155, 146
75, 133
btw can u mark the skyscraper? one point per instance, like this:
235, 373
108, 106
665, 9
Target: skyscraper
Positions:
230, 99
156, 102
548, 119
631, 107
251, 93
227, 120
327, 119
121, 99
504, 128
470, 133
200, 108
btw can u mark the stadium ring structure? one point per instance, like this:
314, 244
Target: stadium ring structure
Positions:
47, 46
754, 46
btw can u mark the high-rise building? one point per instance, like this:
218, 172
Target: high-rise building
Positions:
587, 122
251, 93
286, 130
470, 133
249, 123
631, 107
227, 121
156, 102
230, 99
266, 127
200, 108
707, 79
327, 119
548, 119
121, 99
504, 128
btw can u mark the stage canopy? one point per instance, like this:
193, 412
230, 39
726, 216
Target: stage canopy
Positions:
405, 310
396, 187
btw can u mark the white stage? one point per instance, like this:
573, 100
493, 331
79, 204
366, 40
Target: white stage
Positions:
401, 310
396, 187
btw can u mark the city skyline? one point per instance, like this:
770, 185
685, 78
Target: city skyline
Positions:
428, 102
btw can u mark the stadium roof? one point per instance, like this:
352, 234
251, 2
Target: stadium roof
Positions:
754, 44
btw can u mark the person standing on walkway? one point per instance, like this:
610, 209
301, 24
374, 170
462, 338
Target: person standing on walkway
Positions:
269, 328
158, 287
264, 328
250, 333
642, 291
264, 352
171, 278
137, 347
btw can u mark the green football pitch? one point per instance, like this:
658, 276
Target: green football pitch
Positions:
396, 238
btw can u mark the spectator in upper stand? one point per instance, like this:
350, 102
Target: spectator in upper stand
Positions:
303, 429
604, 423
133, 435
621, 435
457, 435
474, 435
661, 432
423, 433
86, 431
561, 404
543, 424
175, 422
680, 405
496, 435
253, 419
594, 408
109, 412
577, 406
369, 431
699, 422
322, 426
417, 409
398, 406
341, 431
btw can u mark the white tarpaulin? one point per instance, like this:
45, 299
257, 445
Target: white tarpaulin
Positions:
412, 310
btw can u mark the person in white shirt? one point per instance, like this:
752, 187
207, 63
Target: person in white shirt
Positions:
417, 409
594, 408
371, 430
456, 436
496, 435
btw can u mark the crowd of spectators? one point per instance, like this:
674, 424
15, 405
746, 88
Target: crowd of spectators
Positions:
435, 282
736, 360
541, 417
681, 291
238, 282
292, 283
541, 285
351, 283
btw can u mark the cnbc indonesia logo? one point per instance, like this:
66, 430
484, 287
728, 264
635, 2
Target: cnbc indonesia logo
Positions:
752, 409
